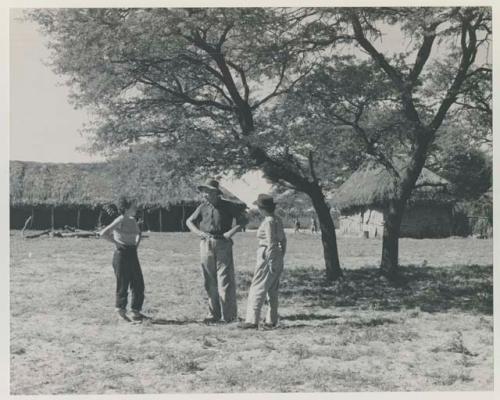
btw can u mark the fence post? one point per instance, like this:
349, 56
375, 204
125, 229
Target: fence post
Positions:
161, 222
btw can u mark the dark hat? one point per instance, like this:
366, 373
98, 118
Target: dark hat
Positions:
265, 201
210, 185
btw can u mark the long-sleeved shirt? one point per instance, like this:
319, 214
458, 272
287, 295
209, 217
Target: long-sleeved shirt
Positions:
218, 219
271, 232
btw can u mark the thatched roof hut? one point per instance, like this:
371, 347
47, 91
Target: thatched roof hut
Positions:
93, 184
56, 194
371, 186
51, 184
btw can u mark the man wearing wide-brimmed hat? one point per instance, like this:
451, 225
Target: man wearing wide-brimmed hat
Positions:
212, 221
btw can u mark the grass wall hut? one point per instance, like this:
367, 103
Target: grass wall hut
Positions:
363, 197
80, 194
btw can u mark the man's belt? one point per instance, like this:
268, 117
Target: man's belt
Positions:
216, 235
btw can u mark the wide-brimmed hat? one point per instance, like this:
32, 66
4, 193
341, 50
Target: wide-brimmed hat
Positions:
210, 185
265, 201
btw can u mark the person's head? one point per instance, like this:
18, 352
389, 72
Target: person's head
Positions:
266, 204
210, 190
127, 206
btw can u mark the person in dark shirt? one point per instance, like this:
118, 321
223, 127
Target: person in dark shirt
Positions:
212, 221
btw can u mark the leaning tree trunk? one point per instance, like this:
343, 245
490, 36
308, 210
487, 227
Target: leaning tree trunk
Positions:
393, 216
328, 237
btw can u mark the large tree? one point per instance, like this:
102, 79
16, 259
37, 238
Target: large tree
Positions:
401, 99
200, 81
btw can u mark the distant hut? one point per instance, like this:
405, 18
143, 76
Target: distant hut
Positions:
363, 197
80, 194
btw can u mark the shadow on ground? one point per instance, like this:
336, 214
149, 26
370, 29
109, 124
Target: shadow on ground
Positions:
466, 288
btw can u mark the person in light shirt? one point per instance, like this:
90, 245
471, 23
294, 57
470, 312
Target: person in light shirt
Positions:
270, 254
125, 234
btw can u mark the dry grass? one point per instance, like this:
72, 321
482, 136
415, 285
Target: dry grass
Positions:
357, 335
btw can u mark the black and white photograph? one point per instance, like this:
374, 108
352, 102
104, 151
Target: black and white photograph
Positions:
239, 198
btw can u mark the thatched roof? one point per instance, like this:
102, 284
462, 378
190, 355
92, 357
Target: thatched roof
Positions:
371, 186
93, 184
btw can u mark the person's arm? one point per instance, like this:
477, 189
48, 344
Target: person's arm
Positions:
281, 237
283, 245
192, 222
107, 232
138, 238
241, 218
230, 233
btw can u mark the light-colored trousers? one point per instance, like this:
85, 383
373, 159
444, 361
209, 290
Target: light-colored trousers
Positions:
218, 272
265, 284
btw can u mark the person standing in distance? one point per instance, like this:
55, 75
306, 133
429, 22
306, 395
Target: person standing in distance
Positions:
212, 221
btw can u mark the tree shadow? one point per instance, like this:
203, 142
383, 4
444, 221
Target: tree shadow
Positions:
466, 288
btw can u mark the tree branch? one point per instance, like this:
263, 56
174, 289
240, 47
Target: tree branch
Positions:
243, 79
311, 166
468, 56
182, 96
423, 54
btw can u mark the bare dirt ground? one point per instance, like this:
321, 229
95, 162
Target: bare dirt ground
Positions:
357, 335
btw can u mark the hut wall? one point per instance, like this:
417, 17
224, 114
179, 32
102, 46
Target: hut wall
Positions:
18, 216
418, 222
172, 219
89, 218
64, 216
427, 222
371, 221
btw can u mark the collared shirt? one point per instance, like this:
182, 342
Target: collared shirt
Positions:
271, 232
218, 219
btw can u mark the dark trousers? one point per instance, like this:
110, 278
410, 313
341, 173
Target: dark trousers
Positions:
128, 273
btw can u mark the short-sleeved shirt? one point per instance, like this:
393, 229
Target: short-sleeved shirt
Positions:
126, 231
218, 219
271, 232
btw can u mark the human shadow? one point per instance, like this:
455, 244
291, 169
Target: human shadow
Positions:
467, 288
161, 321
309, 317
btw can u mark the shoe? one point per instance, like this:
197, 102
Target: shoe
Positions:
122, 313
268, 327
137, 316
210, 320
247, 325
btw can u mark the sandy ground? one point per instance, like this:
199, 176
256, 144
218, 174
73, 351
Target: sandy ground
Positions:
357, 335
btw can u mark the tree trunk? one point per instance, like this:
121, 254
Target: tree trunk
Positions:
52, 217
328, 237
99, 219
393, 216
78, 218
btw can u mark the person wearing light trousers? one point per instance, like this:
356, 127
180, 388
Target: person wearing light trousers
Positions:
269, 266
212, 222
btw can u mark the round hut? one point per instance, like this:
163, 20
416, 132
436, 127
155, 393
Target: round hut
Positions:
362, 201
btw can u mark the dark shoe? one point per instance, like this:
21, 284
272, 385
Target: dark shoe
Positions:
210, 320
247, 325
137, 316
122, 313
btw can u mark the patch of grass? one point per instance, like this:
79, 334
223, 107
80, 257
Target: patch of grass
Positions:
361, 334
